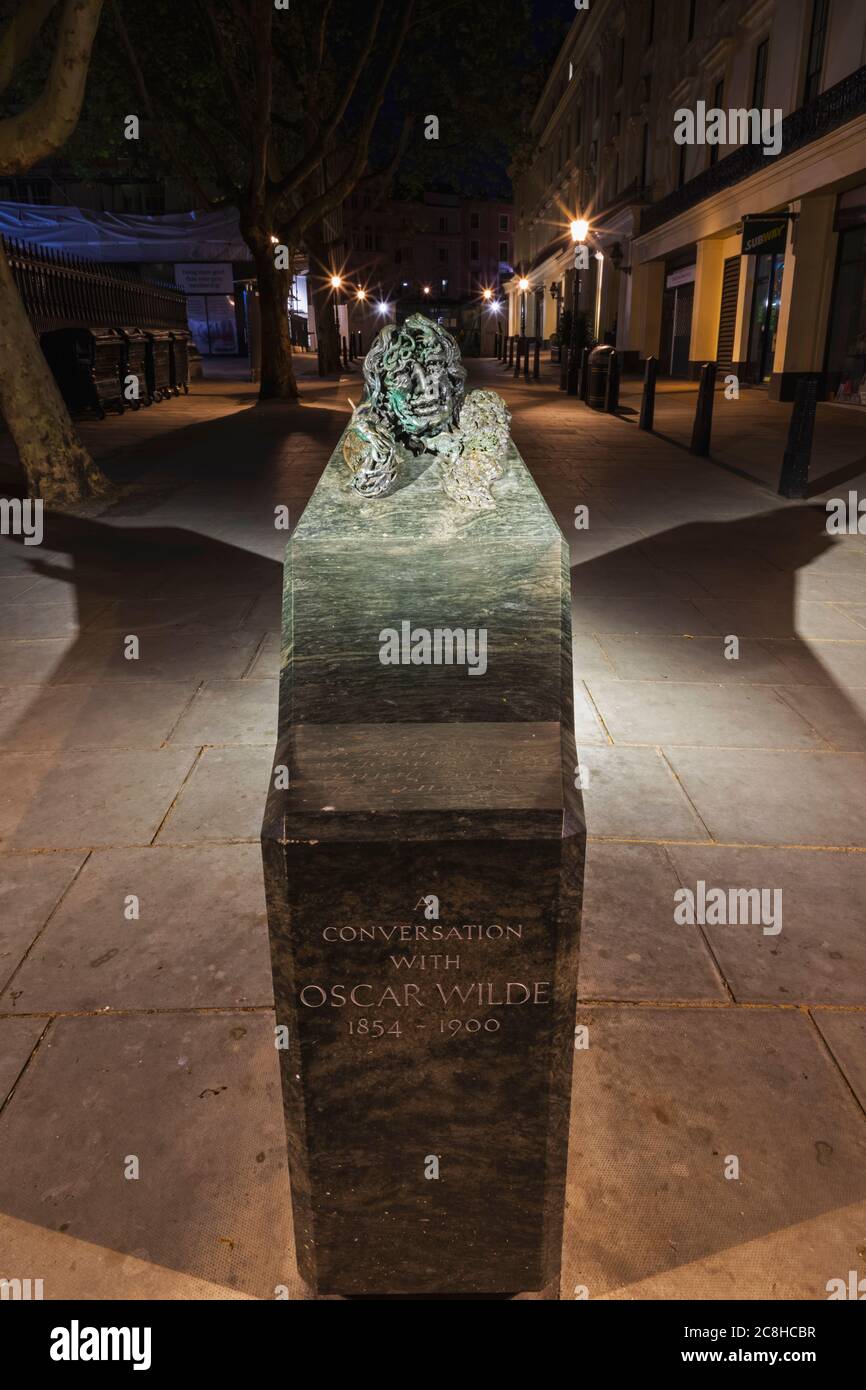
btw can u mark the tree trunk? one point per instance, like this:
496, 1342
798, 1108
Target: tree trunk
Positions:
327, 337
278, 381
58, 467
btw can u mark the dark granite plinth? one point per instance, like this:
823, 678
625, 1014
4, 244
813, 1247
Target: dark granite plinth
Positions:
423, 1043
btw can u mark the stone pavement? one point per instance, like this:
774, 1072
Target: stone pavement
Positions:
137, 786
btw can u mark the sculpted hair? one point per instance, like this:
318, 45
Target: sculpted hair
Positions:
400, 344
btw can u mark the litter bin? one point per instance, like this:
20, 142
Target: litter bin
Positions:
86, 363
600, 367
180, 341
158, 363
135, 364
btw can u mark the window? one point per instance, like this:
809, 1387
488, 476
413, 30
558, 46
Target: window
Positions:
398, 256
817, 40
503, 252
718, 103
368, 239
650, 20
443, 224
474, 221
503, 222
443, 253
644, 155
693, 14
759, 87
474, 251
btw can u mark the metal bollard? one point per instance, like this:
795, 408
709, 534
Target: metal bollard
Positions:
794, 480
345, 353
584, 375
563, 367
526, 359
509, 361
536, 361
703, 427
518, 355
648, 400
611, 392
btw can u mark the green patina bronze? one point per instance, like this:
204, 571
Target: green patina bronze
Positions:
415, 400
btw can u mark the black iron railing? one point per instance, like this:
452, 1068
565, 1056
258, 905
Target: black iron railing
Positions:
831, 109
60, 290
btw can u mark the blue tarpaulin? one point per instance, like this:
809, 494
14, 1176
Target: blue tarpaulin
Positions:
114, 236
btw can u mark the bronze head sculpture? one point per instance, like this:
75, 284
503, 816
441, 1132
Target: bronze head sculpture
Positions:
415, 401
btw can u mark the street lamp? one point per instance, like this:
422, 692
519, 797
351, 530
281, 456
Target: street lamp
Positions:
523, 285
336, 286
579, 231
487, 295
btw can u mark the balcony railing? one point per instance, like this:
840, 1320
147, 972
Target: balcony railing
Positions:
827, 112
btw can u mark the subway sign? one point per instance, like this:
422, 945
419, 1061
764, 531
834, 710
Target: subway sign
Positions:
765, 236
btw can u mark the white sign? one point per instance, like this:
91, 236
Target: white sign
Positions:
205, 277
686, 276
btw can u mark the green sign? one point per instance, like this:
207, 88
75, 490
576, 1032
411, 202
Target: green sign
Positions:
765, 236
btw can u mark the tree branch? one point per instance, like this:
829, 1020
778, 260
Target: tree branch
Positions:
316, 154
169, 144
47, 124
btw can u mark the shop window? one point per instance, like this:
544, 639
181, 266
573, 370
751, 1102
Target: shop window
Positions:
503, 252
474, 251
503, 222
846, 350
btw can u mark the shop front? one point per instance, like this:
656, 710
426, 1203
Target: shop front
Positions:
846, 343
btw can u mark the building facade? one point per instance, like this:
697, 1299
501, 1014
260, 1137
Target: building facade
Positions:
434, 256
671, 125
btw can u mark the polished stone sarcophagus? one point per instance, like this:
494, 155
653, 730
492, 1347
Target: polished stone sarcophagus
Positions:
423, 848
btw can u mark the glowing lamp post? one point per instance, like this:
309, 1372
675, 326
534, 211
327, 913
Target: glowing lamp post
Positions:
579, 231
523, 285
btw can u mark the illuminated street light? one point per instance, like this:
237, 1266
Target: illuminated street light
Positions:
523, 285
383, 308
361, 293
579, 232
426, 289
487, 295
336, 282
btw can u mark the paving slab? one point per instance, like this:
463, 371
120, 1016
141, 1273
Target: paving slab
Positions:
114, 714
84, 799
662, 1099
763, 797
819, 955
631, 793
838, 716
173, 655
196, 1099
30, 887
723, 716
18, 1038
223, 798
630, 946
199, 941
660, 658
845, 1035
230, 712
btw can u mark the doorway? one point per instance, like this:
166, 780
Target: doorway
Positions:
766, 303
